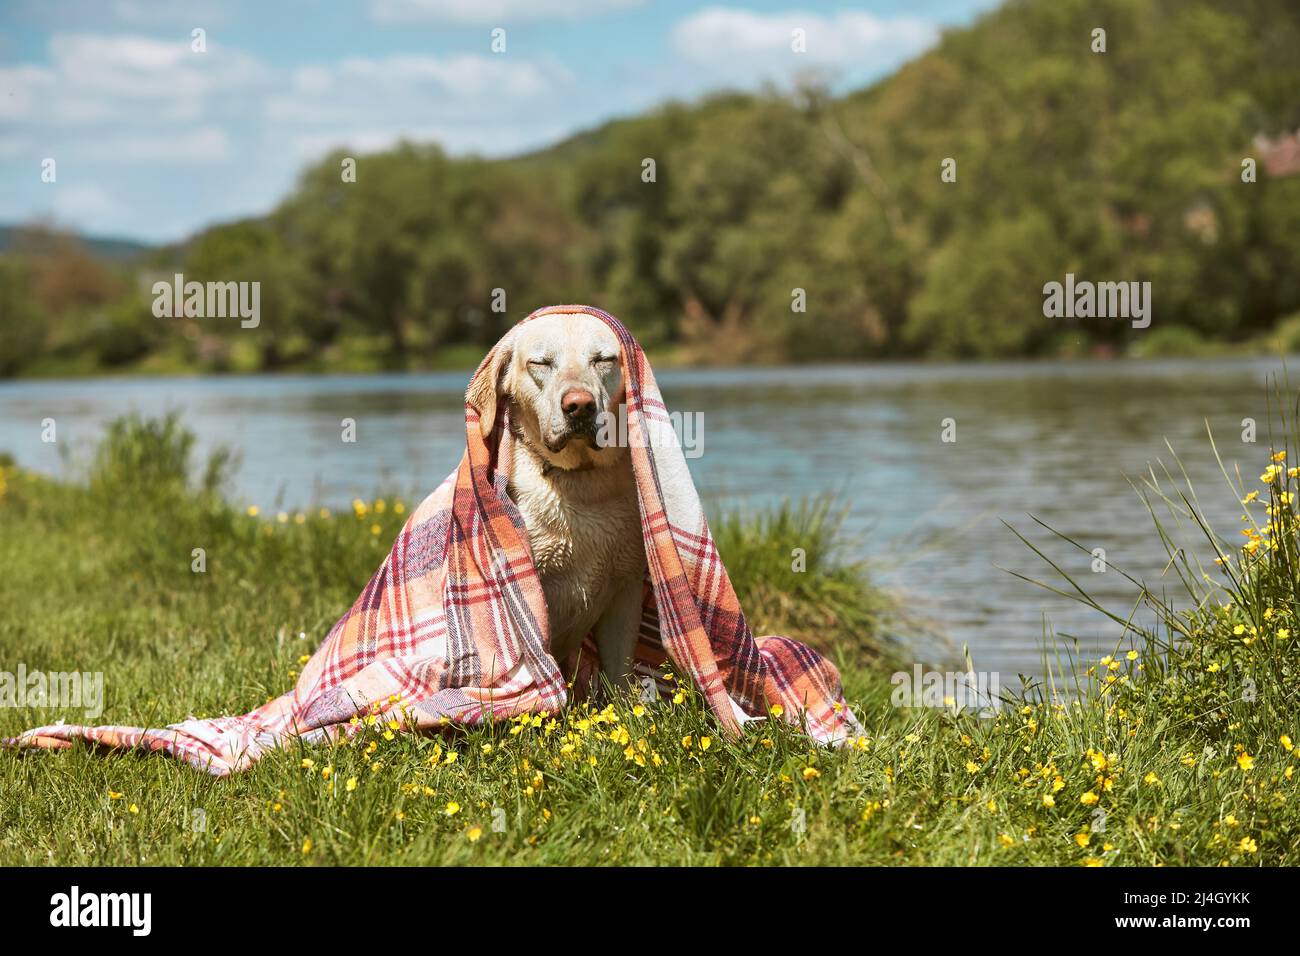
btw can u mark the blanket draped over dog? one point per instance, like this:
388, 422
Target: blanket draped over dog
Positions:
452, 628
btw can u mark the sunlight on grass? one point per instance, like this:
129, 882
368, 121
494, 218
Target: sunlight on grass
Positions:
1176, 748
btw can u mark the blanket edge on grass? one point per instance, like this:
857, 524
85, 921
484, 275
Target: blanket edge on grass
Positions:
452, 628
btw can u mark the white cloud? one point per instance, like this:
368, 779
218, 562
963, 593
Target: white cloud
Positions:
464, 101
748, 46
465, 74
94, 78
489, 11
357, 86
138, 67
21, 88
85, 204
125, 65
147, 14
12, 146
198, 147
131, 109
189, 12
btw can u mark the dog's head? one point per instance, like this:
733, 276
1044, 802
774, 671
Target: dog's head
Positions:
561, 374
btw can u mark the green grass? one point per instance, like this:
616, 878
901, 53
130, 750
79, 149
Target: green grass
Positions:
96, 576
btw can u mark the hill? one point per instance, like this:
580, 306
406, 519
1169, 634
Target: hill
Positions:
109, 249
707, 225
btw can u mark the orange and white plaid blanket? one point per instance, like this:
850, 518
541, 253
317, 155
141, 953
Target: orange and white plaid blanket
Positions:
452, 628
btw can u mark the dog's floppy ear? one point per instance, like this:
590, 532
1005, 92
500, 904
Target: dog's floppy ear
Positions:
486, 386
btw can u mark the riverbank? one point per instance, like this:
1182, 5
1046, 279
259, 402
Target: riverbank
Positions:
1055, 439
1162, 757
369, 356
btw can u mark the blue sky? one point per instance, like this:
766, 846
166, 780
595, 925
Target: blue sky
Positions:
153, 140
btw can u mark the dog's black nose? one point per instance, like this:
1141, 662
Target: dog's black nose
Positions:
577, 402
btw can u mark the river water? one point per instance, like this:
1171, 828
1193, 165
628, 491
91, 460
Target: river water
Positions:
1057, 440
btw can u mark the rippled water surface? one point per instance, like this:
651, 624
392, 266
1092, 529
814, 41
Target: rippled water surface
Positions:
1056, 440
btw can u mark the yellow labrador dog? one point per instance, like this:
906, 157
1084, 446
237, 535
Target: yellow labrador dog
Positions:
560, 373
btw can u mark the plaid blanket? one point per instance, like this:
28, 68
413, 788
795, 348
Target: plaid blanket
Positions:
452, 628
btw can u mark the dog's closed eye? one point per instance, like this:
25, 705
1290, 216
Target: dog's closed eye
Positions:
540, 368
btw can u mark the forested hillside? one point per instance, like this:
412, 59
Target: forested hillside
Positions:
1117, 166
